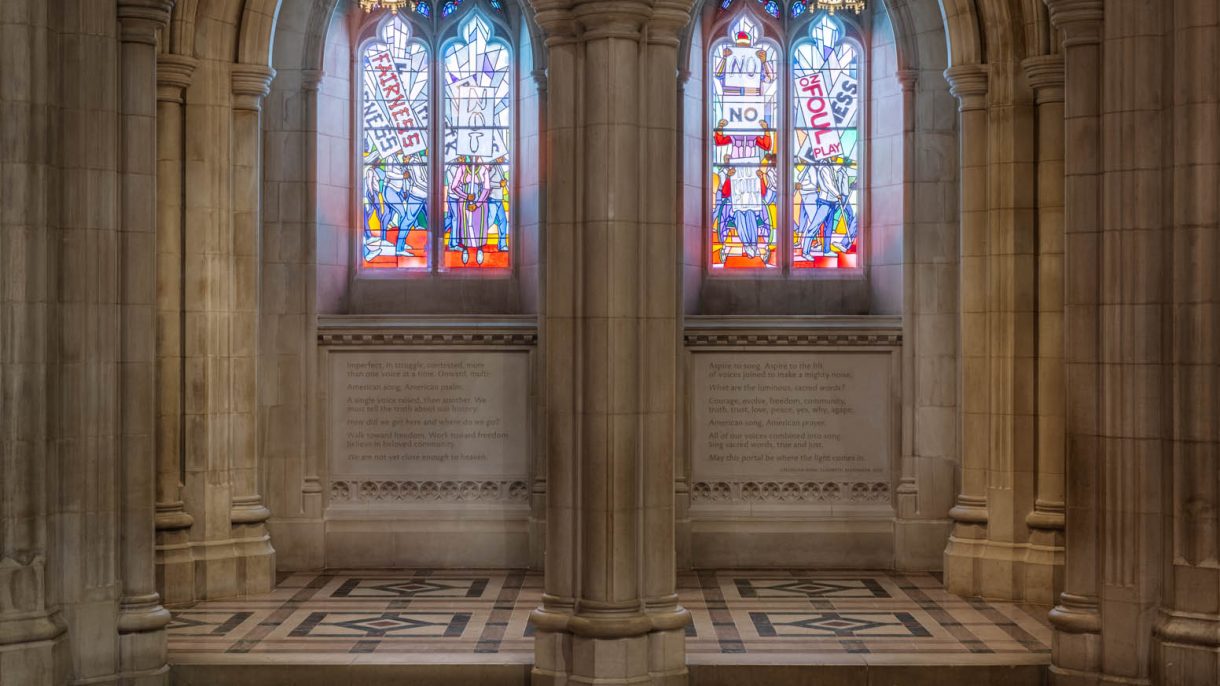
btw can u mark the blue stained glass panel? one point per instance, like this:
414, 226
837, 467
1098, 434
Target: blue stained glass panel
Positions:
798, 8
424, 9
772, 8
449, 7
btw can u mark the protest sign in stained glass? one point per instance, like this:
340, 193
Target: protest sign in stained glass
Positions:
825, 148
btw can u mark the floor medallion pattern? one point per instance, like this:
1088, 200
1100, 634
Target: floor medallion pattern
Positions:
477, 615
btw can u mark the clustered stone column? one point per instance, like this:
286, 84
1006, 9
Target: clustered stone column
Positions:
1187, 640
1007, 540
142, 620
30, 633
1044, 557
175, 564
968, 83
1077, 621
255, 556
610, 613
907, 495
220, 273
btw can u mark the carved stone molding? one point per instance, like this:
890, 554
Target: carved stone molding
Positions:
378, 331
789, 339
427, 338
790, 492
424, 491
793, 332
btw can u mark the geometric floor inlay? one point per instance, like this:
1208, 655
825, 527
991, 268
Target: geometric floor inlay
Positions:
477, 615
838, 624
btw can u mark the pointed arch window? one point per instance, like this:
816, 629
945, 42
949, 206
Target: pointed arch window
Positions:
436, 139
785, 179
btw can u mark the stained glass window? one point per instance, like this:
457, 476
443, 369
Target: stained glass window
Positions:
825, 148
744, 105
422, 210
803, 213
394, 165
478, 119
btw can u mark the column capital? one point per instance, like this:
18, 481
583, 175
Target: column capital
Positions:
968, 83
600, 19
1045, 76
174, 73
907, 78
1080, 20
251, 83
566, 21
668, 19
311, 79
140, 21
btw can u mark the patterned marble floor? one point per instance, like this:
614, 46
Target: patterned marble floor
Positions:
430, 616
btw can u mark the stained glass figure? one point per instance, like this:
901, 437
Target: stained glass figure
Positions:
478, 120
744, 228
825, 148
394, 170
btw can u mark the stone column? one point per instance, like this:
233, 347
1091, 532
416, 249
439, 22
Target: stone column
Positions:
1187, 642
208, 282
30, 632
1044, 557
609, 613
142, 620
908, 485
1077, 621
311, 486
969, 83
255, 557
175, 566
1132, 316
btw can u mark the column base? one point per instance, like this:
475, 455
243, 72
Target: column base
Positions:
966, 544
175, 563
42, 662
1076, 645
255, 559
1187, 648
234, 567
143, 650
1044, 567
657, 658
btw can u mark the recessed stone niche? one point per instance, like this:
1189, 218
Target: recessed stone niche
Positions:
793, 445
429, 439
